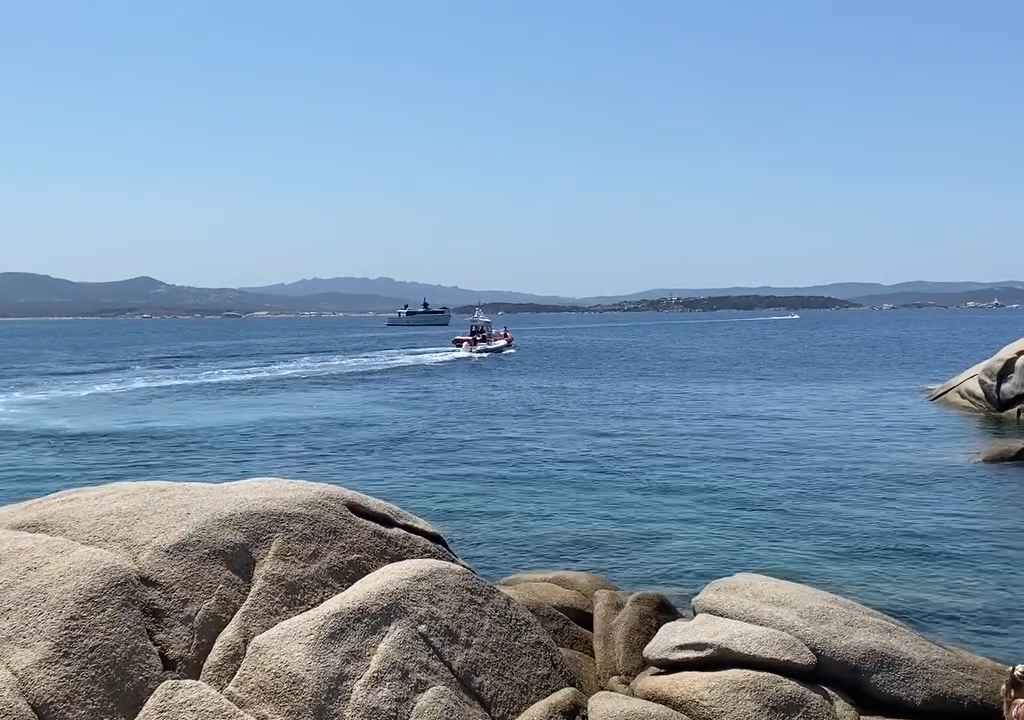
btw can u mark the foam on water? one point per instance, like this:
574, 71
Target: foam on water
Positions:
141, 378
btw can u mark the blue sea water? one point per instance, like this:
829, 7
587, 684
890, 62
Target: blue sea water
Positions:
663, 450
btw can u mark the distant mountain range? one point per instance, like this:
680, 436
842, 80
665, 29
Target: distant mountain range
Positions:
862, 293
411, 291
858, 292
32, 295
1006, 294
677, 304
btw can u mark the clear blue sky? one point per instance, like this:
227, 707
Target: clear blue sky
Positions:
571, 147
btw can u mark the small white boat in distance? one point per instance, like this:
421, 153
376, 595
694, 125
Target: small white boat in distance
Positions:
482, 338
425, 315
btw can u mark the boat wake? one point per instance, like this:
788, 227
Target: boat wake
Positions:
143, 378
673, 321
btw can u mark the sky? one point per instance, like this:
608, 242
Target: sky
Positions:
571, 148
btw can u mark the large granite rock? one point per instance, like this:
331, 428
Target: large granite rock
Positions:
562, 630
216, 565
574, 605
1004, 452
566, 704
709, 641
613, 706
583, 669
442, 703
741, 695
189, 700
73, 638
623, 625
582, 582
13, 705
994, 386
864, 651
371, 651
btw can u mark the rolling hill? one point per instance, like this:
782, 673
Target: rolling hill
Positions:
1008, 295
855, 291
859, 292
412, 291
31, 295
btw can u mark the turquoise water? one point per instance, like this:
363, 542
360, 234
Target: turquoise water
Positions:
662, 450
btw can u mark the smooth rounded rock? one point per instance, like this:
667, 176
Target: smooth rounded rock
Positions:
613, 706
73, 640
1004, 452
566, 704
442, 703
994, 386
189, 700
574, 605
372, 650
709, 641
584, 669
584, 583
218, 564
562, 630
873, 656
13, 705
741, 695
619, 684
623, 625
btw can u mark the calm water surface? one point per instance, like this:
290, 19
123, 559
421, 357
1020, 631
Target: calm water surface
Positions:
662, 450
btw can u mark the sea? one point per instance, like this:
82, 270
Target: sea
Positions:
664, 450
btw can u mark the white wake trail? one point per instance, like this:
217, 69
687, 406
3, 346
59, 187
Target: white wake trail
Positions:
309, 366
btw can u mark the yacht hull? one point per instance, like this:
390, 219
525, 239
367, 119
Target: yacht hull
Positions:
438, 320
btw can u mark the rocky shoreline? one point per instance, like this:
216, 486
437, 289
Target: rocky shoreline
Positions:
272, 599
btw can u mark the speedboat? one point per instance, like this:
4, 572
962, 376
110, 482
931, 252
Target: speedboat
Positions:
481, 338
425, 315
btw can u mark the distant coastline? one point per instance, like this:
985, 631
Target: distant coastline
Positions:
29, 295
678, 304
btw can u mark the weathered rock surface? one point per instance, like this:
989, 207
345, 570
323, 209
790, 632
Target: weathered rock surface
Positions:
562, 630
372, 650
583, 669
566, 704
443, 703
613, 706
13, 705
1009, 451
189, 700
741, 695
574, 605
994, 386
623, 625
215, 565
582, 582
862, 650
709, 641
619, 684
279, 600
73, 640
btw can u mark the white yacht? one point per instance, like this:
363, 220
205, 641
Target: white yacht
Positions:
424, 315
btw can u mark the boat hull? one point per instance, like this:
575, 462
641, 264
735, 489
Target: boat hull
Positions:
499, 346
420, 320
